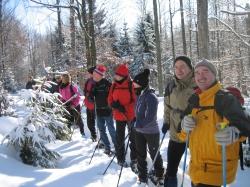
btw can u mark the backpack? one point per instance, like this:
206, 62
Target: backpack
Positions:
129, 88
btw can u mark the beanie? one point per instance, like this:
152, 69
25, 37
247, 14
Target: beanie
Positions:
186, 60
142, 78
100, 69
91, 69
207, 64
122, 70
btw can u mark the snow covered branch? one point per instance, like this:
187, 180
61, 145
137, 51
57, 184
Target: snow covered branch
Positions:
231, 29
236, 13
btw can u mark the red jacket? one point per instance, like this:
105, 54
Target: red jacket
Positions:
121, 93
89, 98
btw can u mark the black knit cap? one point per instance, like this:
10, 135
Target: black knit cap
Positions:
186, 60
142, 78
91, 70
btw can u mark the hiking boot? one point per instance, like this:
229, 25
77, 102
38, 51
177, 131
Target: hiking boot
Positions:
170, 182
123, 164
83, 135
158, 181
108, 152
93, 139
142, 181
100, 145
133, 165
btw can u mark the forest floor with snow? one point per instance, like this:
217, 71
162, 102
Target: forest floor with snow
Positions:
74, 169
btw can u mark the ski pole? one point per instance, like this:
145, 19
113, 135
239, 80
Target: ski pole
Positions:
222, 126
224, 166
112, 159
158, 150
185, 160
95, 150
122, 164
70, 99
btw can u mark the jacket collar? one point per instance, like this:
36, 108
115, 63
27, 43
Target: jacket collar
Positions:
185, 83
211, 91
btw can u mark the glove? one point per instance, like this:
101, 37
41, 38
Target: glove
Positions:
165, 128
188, 123
118, 106
227, 136
91, 99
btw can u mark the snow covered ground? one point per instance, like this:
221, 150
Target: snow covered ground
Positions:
74, 168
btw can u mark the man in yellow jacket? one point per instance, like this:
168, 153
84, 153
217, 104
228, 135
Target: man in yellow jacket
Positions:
205, 143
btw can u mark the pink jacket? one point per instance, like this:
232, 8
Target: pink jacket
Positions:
67, 94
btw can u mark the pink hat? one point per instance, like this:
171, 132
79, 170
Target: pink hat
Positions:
100, 69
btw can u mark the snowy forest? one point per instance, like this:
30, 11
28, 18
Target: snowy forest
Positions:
87, 33
40, 145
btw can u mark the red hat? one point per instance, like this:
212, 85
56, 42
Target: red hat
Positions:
100, 69
122, 70
236, 93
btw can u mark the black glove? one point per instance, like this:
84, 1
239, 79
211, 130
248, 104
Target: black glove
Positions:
91, 99
165, 128
117, 105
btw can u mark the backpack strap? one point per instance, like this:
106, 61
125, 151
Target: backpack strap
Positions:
130, 90
169, 88
72, 90
130, 83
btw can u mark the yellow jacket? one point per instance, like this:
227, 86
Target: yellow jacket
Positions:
206, 155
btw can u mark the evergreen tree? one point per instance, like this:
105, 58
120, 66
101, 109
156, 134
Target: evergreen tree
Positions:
43, 125
5, 108
9, 83
123, 48
145, 48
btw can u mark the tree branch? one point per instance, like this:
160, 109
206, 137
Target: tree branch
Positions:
231, 29
236, 13
64, 6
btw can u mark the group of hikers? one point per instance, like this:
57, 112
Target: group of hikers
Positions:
198, 113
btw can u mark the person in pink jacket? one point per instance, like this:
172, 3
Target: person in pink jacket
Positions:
71, 96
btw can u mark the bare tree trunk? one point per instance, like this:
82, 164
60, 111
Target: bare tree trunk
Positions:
197, 39
190, 29
172, 32
92, 32
72, 36
86, 38
248, 32
158, 48
159, 10
234, 16
220, 69
183, 29
60, 38
217, 32
202, 21
1, 41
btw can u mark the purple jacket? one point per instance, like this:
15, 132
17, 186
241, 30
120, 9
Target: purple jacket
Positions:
146, 113
66, 94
